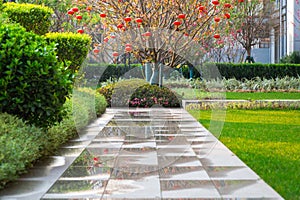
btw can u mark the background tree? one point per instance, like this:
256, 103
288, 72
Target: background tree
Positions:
252, 22
156, 32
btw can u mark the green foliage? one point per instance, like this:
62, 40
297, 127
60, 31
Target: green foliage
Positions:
33, 17
293, 58
20, 146
248, 105
60, 21
267, 141
255, 84
149, 95
118, 94
71, 47
98, 73
87, 104
33, 85
138, 93
244, 70
23, 144
101, 72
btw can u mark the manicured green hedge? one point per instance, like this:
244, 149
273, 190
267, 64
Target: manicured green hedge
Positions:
71, 47
245, 70
33, 84
138, 93
23, 144
101, 72
34, 18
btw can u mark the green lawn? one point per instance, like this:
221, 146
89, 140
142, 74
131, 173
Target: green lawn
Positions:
268, 142
196, 94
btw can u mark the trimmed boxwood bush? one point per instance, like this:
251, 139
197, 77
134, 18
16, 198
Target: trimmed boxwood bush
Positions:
138, 93
34, 18
71, 47
33, 84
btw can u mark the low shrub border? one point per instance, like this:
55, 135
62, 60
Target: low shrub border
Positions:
257, 84
245, 70
23, 144
243, 104
227, 70
101, 72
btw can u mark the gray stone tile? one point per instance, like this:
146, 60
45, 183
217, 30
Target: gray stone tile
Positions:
81, 189
147, 188
95, 157
103, 151
245, 189
181, 161
105, 145
139, 145
183, 173
188, 189
74, 173
231, 173
175, 150
142, 151
149, 159
133, 172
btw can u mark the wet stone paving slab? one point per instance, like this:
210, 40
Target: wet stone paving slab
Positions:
142, 154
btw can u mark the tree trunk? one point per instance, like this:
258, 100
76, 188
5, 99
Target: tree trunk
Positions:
148, 71
161, 68
248, 51
249, 58
155, 76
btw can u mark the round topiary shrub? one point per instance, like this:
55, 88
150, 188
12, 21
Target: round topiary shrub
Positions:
33, 84
149, 95
138, 93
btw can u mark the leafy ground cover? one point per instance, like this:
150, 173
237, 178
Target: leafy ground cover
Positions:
268, 141
190, 93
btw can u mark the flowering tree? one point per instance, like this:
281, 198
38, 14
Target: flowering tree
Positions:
252, 23
157, 32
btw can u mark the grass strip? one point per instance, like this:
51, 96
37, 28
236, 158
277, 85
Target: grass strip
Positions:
268, 141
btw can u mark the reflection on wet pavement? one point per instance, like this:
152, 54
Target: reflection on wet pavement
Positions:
145, 154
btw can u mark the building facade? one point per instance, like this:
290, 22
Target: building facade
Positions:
285, 33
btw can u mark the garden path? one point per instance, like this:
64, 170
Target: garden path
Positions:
142, 154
